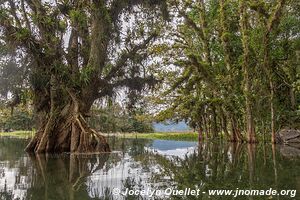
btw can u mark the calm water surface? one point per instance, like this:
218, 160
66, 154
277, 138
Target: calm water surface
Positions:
141, 164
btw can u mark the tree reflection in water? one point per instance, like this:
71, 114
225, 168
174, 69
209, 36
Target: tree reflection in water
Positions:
142, 164
229, 166
67, 176
64, 176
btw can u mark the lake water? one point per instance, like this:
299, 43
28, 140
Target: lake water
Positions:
151, 166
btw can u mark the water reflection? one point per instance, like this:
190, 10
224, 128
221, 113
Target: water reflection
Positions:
172, 148
144, 164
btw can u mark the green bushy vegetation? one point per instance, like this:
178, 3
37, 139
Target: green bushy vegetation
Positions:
20, 119
189, 136
18, 134
115, 119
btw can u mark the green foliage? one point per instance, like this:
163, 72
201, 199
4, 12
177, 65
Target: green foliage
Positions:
85, 74
79, 17
207, 87
21, 119
62, 25
77, 43
115, 119
23, 34
165, 136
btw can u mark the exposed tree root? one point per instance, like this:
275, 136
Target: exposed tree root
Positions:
236, 135
67, 132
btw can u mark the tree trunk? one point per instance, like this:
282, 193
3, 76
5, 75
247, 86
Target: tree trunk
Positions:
200, 131
200, 135
293, 99
268, 71
68, 133
246, 69
250, 124
273, 139
233, 137
209, 132
236, 135
224, 124
63, 127
205, 126
214, 123
272, 23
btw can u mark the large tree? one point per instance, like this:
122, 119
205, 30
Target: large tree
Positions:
80, 51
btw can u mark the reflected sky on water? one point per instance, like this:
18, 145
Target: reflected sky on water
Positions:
145, 164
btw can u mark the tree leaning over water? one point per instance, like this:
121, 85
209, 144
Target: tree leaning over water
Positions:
80, 51
236, 67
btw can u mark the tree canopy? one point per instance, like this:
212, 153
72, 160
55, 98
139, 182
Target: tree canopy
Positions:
236, 67
80, 51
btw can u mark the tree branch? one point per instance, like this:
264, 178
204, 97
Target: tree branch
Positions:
129, 55
117, 6
135, 83
25, 15
14, 12
259, 7
275, 16
100, 33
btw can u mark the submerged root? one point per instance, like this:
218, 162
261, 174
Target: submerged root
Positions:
71, 134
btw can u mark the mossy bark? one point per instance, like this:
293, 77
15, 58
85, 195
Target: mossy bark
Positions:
63, 127
244, 27
68, 133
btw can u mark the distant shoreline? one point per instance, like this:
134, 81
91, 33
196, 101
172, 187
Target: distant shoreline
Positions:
184, 136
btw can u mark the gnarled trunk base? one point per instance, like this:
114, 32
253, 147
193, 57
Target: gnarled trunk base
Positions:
67, 134
236, 135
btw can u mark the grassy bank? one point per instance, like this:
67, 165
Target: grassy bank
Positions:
184, 136
162, 136
19, 134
